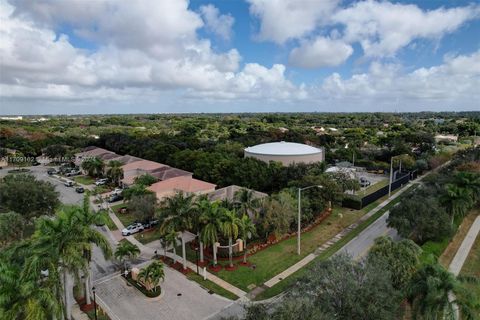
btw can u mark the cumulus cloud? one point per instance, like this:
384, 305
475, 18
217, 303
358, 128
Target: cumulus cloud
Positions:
456, 81
219, 24
157, 49
282, 20
320, 52
382, 28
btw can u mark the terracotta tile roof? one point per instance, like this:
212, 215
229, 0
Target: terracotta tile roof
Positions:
126, 159
145, 165
230, 191
166, 173
185, 183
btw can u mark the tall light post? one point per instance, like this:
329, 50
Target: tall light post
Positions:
391, 173
94, 302
300, 212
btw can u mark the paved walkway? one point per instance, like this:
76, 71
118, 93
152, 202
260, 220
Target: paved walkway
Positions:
148, 252
464, 249
300, 264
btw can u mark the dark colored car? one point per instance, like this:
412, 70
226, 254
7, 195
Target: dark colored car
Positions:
79, 189
150, 224
115, 197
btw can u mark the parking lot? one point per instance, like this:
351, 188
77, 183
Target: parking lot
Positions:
377, 181
67, 194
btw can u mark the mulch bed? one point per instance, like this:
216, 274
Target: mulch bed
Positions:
215, 269
232, 268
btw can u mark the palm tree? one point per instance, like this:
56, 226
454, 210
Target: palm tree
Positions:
93, 166
177, 213
152, 275
171, 240
202, 205
211, 222
126, 250
115, 171
247, 229
246, 202
229, 228
430, 293
470, 181
458, 200
32, 297
64, 245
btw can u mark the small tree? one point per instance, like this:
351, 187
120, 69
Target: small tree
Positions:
152, 275
93, 166
229, 227
115, 172
247, 230
145, 180
126, 250
143, 207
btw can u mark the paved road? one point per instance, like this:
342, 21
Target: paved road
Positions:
359, 246
67, 194
182, 300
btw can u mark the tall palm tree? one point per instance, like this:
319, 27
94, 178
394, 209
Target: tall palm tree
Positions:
27, 297
229, 227
126, 250
246, 202
247, 229
470, 181
171, 240
64, 245
93, 166
177, 213
211, 221
152, 275
115, 171
458, 200
202, 204
430, 294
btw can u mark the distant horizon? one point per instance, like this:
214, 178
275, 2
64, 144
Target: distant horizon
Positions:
237, 56
234, 113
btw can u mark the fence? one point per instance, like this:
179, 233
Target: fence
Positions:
358, 203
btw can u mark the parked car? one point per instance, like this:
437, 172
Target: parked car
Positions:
101, 182
117, 191
114, 197
133, 228
68, 183
79, 189
73, 173
150, 224
35, 163
51, 171
364, 182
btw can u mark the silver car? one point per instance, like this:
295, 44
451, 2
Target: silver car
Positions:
133, 228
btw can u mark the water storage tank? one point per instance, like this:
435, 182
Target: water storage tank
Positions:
286, 153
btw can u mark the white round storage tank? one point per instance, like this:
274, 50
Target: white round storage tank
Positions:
286, 152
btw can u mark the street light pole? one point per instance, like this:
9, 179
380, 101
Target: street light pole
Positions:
94, 303
299, 228
391, 176
299, 220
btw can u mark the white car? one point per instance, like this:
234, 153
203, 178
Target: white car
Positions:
133, 228
101, 182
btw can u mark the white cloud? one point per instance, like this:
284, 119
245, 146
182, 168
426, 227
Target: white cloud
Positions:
281, 20
320, 52
382, 28
37, 62
219, 24
455, 82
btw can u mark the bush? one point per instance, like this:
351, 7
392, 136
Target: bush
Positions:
352, 201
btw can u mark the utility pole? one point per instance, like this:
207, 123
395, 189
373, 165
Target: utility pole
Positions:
391, 176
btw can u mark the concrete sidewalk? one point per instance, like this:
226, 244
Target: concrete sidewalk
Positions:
148, 253
464, 249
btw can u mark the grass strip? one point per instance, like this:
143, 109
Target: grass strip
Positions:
290, 280
211, 286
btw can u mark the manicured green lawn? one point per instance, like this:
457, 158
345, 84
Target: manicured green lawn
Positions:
148, 235
276, 258
118, 206
211, 286
126, 218
112, 226
283, 285
86, 180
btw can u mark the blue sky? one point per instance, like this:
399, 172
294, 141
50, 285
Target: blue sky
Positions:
108, 56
